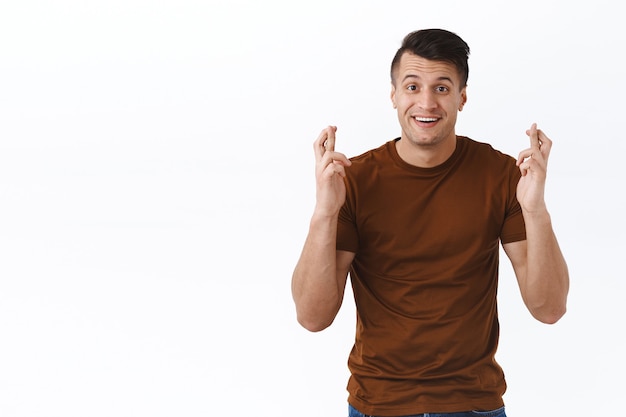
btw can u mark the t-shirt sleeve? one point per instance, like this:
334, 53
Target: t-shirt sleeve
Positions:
514, 228
347, 235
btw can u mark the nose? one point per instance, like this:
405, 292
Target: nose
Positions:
427, 99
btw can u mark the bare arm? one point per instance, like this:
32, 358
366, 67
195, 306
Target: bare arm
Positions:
539, 265
319, 278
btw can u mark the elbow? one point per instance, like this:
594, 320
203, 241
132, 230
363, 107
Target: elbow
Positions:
316, 316
313, 325
549, 315
549, 307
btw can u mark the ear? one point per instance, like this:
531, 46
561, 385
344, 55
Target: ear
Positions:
463, 98
393, 96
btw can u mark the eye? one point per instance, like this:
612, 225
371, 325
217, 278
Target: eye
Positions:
441, 89
412, 87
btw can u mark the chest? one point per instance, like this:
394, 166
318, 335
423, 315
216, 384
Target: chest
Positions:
430, 217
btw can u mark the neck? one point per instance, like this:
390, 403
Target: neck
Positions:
425, 155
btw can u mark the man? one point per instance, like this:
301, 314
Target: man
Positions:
417, 224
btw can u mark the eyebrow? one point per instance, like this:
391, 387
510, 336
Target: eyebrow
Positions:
443, 78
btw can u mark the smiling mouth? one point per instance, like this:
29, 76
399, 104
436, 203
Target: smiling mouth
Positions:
426, 119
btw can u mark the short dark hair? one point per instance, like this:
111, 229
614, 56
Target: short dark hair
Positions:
436, 45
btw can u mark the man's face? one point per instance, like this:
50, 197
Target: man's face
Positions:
427, 95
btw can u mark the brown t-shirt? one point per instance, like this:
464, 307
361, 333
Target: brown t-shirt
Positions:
425, 278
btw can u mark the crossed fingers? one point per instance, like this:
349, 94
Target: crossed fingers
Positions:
325, 154
535, 157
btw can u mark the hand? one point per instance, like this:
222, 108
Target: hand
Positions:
329, 174
533, 163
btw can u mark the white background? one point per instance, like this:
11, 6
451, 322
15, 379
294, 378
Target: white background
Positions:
156, 183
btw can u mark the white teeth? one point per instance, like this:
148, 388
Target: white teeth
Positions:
426, 119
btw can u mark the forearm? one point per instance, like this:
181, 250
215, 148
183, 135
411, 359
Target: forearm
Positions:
547, 278
315, 286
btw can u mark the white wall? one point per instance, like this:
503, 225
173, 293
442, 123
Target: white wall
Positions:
156, 182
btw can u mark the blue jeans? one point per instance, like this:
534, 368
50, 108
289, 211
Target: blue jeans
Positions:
353, 412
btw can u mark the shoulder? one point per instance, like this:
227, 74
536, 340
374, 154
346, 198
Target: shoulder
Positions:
374, 158
376, 154
484, 151
368, 167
